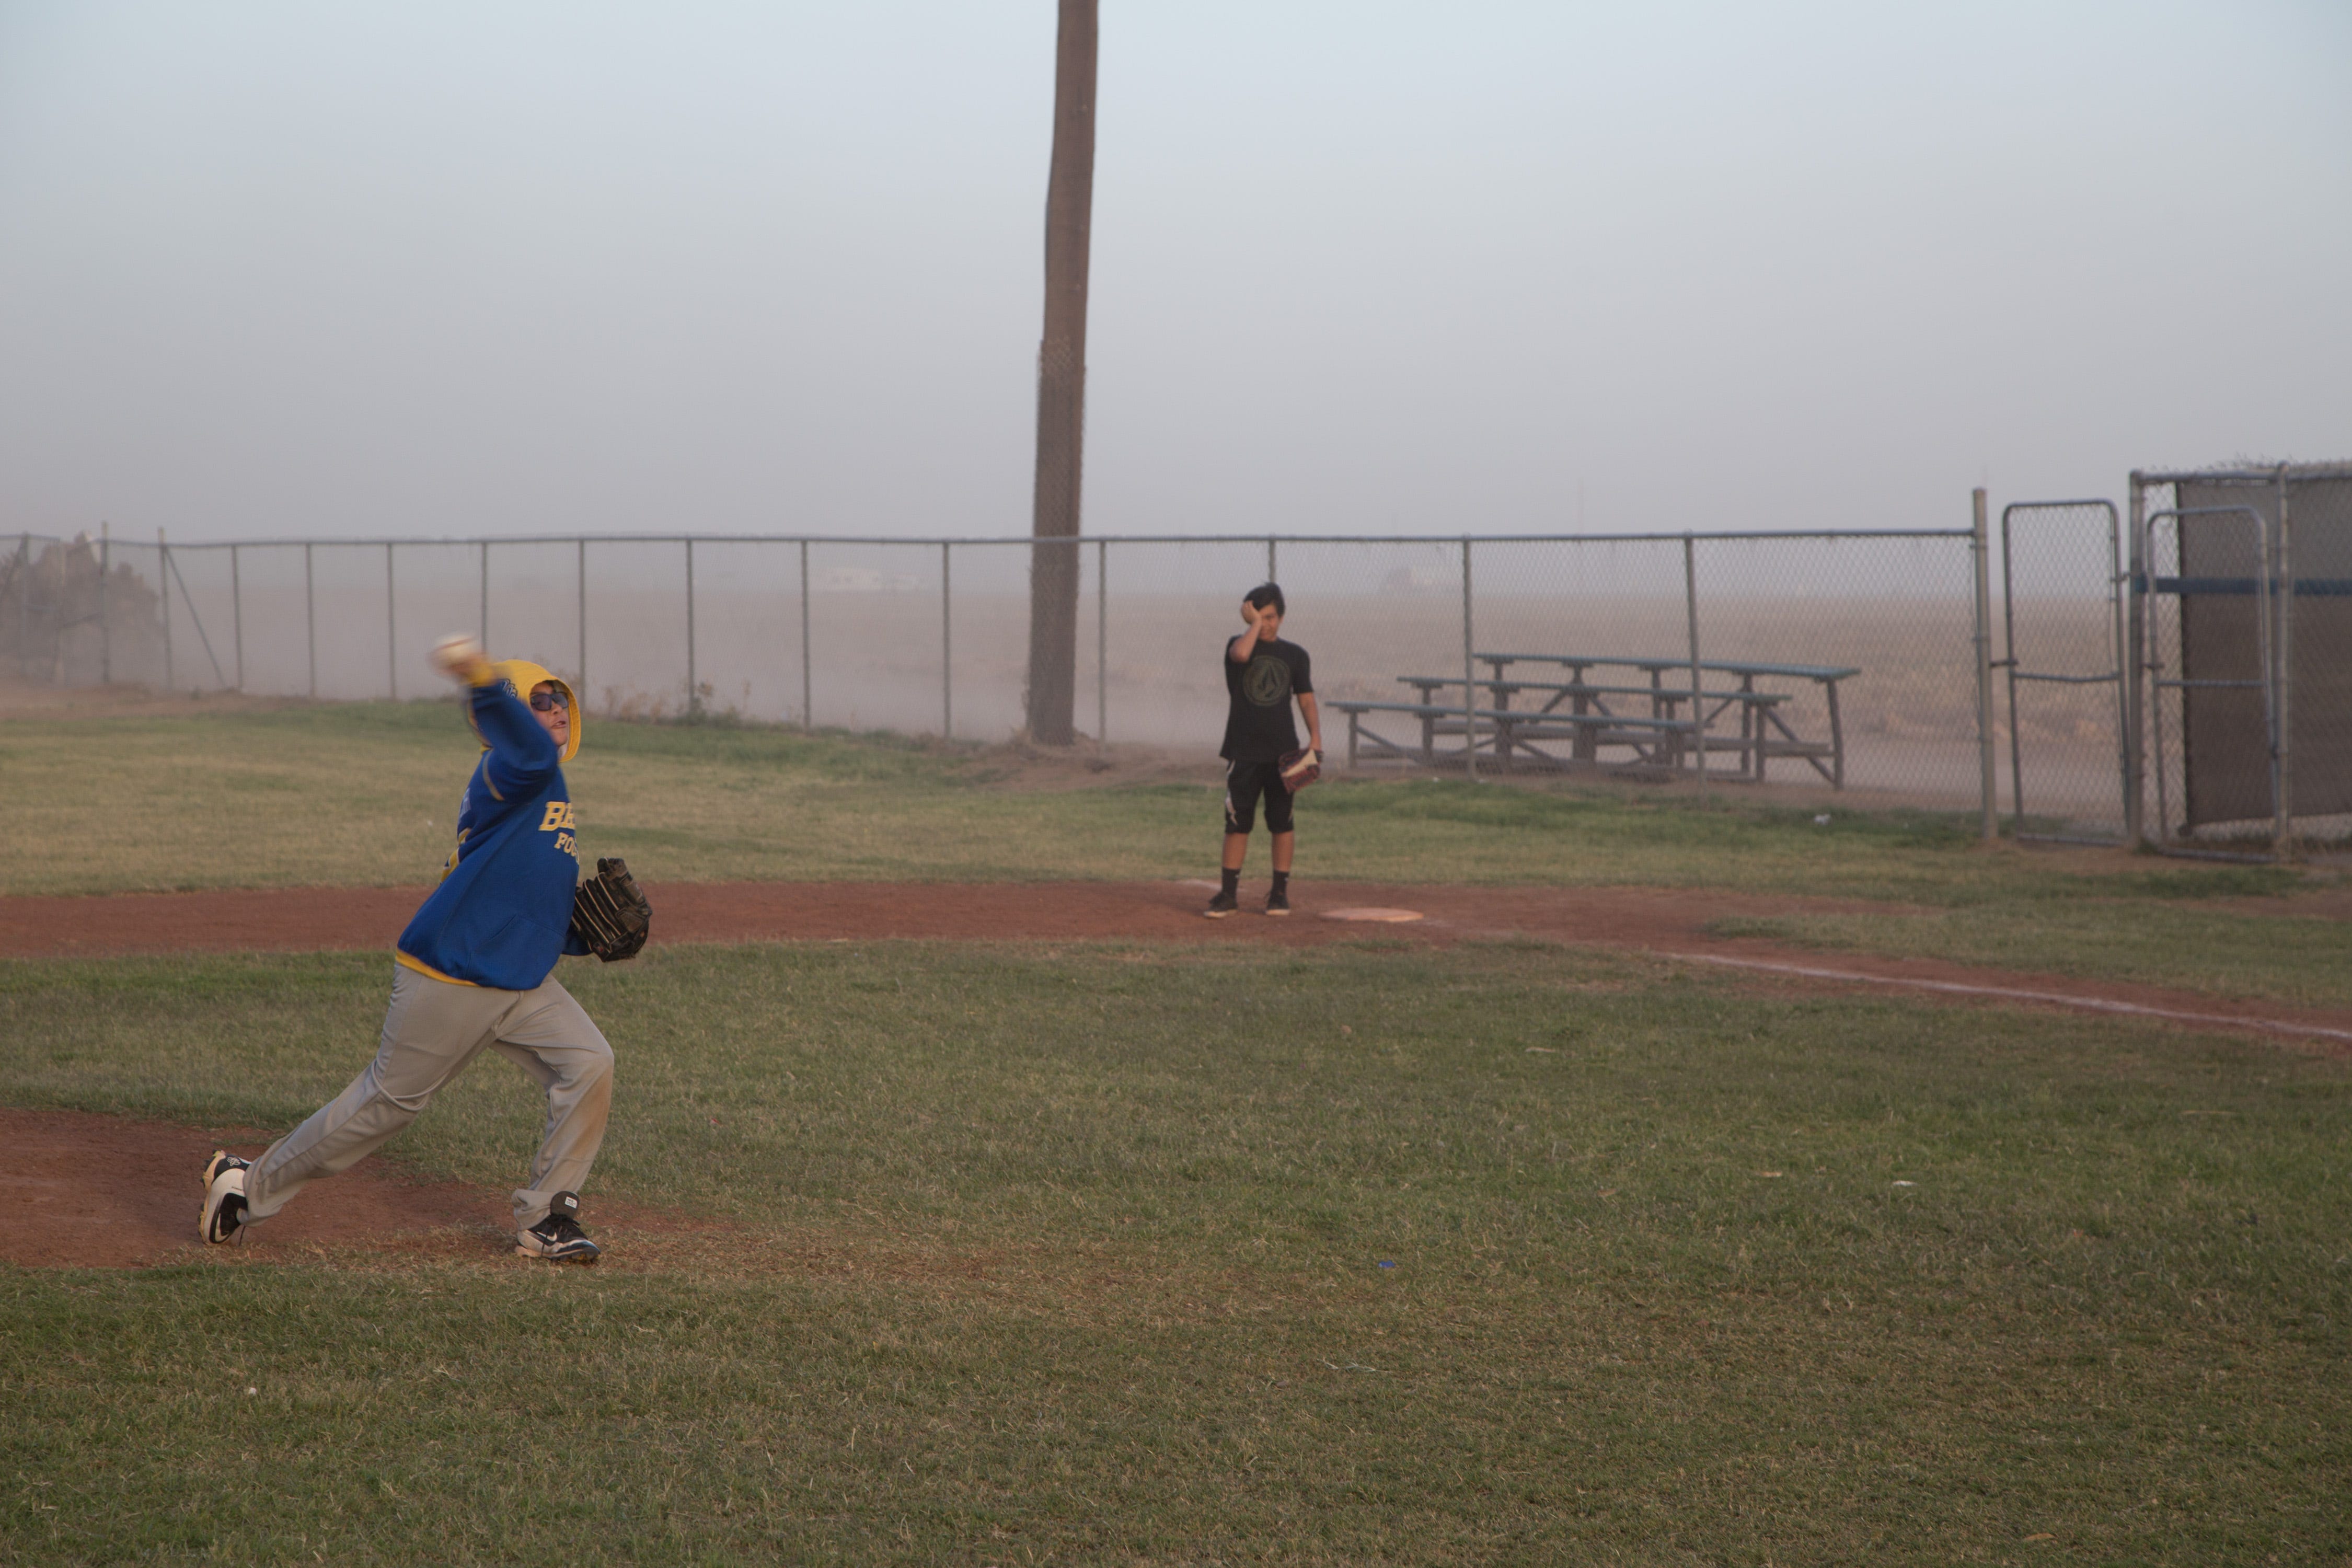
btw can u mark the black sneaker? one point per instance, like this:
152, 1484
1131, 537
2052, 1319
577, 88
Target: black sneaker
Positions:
1221, 906
221, 1219
558, 1238
1277, 903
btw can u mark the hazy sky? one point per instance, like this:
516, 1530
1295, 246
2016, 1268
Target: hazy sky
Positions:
276, 269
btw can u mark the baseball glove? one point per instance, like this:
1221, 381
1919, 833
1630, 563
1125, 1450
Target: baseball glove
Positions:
609, 913
1300, 769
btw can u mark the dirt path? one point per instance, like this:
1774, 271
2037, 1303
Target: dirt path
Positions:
1666, 922
295, 920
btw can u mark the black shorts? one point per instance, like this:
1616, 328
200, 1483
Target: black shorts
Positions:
1244, 781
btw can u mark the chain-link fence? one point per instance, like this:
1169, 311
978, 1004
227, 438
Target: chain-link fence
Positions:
2185, 676
1832, 660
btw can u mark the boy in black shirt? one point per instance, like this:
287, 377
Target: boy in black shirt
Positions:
1263, 673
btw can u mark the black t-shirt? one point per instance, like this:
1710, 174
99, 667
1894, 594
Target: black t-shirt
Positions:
1258, 727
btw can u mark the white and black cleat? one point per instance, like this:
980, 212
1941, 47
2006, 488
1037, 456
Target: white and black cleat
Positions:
221, 1222
1221, 906
558, 1238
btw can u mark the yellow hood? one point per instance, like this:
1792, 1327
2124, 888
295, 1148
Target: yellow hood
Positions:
519, 676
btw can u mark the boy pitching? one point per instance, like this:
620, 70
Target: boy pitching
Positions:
473, 970
1263, 674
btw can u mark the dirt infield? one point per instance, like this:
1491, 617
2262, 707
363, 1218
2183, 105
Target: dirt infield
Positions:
131, 1198
1666, 922
348, 919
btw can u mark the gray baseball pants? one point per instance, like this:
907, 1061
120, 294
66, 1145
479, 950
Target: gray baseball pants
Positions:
431, 1031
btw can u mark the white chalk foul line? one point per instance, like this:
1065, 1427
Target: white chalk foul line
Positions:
2011, 994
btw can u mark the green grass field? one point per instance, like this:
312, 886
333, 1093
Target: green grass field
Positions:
1105, 1230
1126, 1253
365, 795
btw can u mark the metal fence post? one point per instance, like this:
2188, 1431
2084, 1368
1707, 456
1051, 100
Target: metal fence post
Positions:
163, 592
2118, 584
105, 621
693, 691
1978, 549
580, 618
1698, 702
2283, 831
236, 614
310, 618
808, 714
485, 593
947, 648
1469, 692
1271, 575
2007, 665
24, 601
391, 628
2135, 669
1102, 642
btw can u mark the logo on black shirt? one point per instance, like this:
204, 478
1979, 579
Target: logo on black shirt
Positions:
1266, 681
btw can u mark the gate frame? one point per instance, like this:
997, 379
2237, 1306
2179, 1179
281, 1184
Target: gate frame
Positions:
2278, 477
2116, 650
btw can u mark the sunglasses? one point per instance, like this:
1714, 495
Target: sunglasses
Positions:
548, 702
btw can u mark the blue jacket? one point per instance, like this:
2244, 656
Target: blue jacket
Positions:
502, 914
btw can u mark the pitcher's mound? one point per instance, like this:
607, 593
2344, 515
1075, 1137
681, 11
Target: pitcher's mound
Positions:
1373, 912
102, 1192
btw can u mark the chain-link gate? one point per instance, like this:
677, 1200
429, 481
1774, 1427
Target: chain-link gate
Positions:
2062, 591
2212, 671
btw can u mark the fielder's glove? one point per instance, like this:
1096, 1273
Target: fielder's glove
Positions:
1300, 768
610, 914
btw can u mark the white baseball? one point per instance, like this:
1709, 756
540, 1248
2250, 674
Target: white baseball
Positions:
455, 653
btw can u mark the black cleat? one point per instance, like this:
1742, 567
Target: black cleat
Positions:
1277, 903
221, 1219
558, 1238
1221, 906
